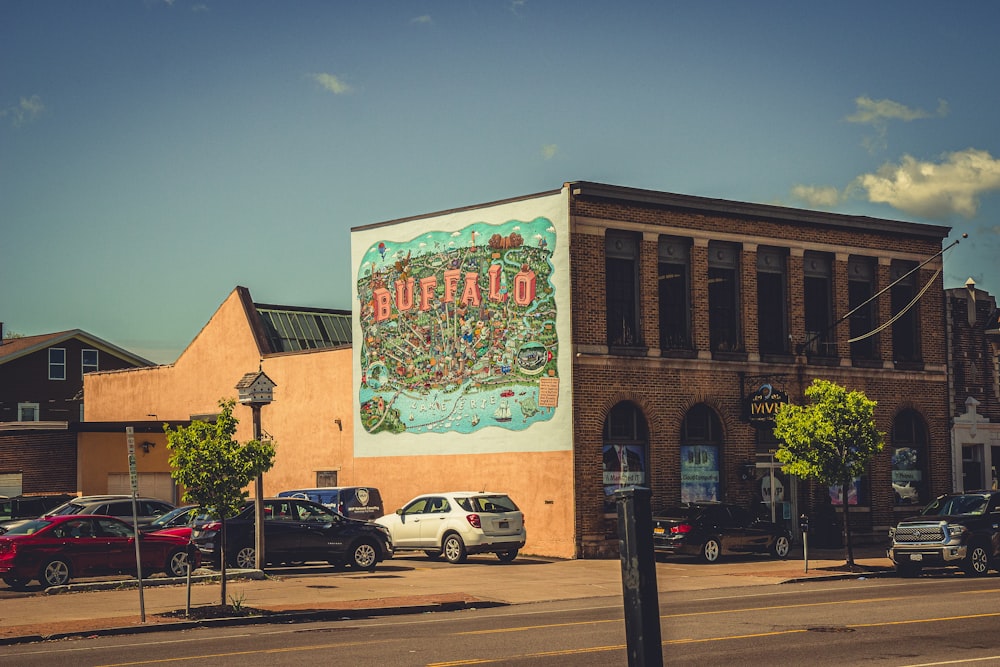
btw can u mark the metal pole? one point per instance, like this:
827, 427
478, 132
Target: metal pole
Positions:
642, 605
259, 560
771, 470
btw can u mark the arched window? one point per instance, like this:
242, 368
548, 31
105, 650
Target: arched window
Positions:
701, 452
624, 451
909, 459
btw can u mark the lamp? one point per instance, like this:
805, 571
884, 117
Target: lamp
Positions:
146, 446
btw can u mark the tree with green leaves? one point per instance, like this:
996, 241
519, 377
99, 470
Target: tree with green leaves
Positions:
214, 469
831, 440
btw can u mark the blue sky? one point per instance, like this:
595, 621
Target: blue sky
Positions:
155, 154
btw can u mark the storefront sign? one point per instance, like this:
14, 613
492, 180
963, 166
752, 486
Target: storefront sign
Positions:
764, 403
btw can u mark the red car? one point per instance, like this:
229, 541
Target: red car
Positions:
55, 549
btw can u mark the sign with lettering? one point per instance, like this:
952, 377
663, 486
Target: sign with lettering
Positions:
763, 404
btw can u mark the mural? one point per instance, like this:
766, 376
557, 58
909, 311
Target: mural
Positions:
458, 330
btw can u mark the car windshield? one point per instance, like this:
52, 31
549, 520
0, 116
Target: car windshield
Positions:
487, 504
68, 508
687, 512
956, 505
27, 527
174, 517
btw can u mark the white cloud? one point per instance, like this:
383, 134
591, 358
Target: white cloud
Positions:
25, 111
331, 83
817, 196
878, 113
549, 151
935, 190
874, 112
425, 19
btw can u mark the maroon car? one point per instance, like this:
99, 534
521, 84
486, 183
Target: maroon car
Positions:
55, 549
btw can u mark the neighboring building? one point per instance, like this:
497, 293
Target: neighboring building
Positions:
974, 400
306, 351
562, 345
41, 401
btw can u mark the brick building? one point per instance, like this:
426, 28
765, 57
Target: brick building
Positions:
762, 294
974, 390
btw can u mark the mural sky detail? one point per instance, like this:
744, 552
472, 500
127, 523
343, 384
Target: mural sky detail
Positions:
459, 330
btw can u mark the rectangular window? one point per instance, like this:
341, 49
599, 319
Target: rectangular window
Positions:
724, 297
673, 271
621, 257
772, 321
906, 329
817, 284
326, 478
861, 288
27, 412
57, 363
89, 361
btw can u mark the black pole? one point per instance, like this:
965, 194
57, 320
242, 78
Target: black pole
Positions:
642, 605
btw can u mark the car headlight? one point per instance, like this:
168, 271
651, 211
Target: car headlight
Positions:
957, 531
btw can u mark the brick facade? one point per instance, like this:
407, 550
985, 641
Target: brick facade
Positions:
665, 386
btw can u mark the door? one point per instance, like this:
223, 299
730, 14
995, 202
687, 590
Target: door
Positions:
432, 523
408, 524
118, 540
281, 530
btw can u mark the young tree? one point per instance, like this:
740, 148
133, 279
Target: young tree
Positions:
214, 469
831, 440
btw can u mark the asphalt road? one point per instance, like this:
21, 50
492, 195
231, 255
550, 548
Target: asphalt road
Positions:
931, 620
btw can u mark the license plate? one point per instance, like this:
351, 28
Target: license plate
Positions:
916, 556
505, 524
658, 530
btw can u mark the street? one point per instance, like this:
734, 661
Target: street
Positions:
891, 621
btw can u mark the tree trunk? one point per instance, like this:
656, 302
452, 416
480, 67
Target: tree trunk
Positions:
849, 548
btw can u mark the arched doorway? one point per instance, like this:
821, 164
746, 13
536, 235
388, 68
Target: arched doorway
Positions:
624, 451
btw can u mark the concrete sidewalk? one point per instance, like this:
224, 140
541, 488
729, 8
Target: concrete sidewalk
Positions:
401, 585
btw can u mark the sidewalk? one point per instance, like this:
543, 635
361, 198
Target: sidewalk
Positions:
399, 586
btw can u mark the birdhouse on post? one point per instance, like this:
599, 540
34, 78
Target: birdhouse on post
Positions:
256, 389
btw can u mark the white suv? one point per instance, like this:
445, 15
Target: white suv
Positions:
457, 524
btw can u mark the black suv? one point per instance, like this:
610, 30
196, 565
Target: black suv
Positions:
955, 530
29, 507
295, 531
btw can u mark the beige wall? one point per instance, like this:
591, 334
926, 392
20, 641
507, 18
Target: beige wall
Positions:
313, 389
539, 482
101, 454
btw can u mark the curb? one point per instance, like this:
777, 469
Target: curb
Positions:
263, 619
128, 584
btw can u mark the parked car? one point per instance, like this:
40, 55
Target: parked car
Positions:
29, 507
710, 530
295, 531
55, 549
114, 505
354, 502
456, 524
178, 521
953, 530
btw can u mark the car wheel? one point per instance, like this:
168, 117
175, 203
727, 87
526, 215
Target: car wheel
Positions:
781, 547
454, 548
177, 563
364, 556
15, 582
245, 557
711, 550
55, 573
433, 555
507, 556
977, 563
908, 570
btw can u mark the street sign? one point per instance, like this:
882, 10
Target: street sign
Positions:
133, 477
